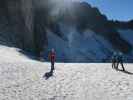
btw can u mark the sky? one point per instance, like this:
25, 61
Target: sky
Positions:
121, 10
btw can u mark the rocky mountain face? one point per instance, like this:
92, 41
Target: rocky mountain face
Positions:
24, 24
86, 17
102, 39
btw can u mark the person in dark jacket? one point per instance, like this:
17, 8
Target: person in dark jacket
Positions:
120, 61
114, 60
52, 56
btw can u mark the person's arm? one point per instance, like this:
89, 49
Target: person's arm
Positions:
49, 56
55, 57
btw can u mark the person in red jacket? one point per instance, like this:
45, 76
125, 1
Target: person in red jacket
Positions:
52, 58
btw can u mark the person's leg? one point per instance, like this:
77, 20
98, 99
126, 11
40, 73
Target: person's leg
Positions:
113, 64
117, 65
122, 66
52, 66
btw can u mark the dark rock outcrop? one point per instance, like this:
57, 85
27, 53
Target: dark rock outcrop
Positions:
83, 16
23, 24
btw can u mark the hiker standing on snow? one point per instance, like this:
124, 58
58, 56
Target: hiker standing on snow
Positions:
114, 60
120, 61
52, 59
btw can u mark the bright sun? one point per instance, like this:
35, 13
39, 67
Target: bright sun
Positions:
59, 5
